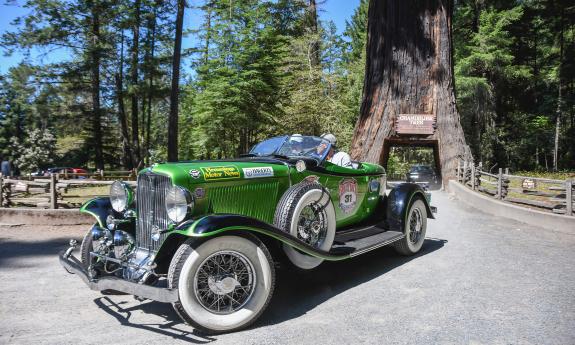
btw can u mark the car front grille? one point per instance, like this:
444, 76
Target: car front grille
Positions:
150, 199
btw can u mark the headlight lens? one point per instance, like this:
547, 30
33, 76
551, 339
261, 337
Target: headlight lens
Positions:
120, 196
178, 201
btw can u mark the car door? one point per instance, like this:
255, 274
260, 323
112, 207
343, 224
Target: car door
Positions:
348, 189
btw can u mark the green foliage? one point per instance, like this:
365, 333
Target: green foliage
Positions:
401, 159
35, 151
253, 75
507, 62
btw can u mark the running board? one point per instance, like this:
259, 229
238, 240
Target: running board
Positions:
365, 244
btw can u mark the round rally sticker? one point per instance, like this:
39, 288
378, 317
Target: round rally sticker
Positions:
347, 195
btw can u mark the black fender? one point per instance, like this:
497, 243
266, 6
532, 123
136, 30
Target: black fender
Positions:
221, 224
398, 202
100, 208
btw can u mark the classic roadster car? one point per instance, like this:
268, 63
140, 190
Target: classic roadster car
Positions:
206, 236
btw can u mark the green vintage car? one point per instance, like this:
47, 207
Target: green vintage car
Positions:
207, 236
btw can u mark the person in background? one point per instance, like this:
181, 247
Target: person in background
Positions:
340, 158
6, 168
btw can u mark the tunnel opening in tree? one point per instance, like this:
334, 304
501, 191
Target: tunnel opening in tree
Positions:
400, 157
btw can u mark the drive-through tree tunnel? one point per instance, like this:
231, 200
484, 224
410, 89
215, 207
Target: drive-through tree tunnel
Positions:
399, 157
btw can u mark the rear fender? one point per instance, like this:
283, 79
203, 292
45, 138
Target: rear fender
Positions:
398, 202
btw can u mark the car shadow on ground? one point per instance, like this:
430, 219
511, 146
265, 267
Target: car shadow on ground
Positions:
13, 250
291, 298
173, 328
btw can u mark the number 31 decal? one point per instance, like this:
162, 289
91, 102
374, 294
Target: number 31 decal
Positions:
347, 194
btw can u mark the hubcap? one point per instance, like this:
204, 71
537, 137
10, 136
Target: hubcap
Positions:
312, 225
415, 225
224, 282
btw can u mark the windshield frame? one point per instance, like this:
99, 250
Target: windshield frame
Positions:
281, 149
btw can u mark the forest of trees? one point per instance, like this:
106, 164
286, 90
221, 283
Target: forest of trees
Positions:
263, 68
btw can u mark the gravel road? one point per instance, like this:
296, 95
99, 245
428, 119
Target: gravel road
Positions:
477, 280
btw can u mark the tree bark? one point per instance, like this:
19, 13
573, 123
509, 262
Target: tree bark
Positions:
95, 88
409, 71
173, 119
134, 82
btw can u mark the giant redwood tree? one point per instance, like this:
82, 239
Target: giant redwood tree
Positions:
409, 70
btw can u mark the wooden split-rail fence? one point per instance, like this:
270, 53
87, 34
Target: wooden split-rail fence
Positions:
64, 190
557, 196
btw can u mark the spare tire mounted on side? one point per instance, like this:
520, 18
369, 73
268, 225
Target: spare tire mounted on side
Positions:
306, 212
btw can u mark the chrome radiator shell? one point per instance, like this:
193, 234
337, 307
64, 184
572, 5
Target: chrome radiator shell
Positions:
151, 209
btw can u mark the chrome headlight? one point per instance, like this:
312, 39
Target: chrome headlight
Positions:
121, 196
178, 202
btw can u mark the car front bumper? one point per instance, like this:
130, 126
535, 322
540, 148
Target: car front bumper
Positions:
74, 266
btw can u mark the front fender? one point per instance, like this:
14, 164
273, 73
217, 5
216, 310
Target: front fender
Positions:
398, 203
100, 208
216, 224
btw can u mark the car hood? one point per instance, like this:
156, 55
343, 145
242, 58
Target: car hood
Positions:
183, 173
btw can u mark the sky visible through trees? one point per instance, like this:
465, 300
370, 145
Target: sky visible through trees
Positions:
254, 69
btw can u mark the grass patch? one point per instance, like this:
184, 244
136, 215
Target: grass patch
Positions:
79, 195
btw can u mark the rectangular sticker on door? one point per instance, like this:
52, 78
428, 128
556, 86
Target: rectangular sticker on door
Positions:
258, 172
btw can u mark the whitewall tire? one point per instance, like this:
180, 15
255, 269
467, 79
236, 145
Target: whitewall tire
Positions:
223, 284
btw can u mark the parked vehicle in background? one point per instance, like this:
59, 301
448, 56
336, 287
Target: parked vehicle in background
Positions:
422, 174
63, 170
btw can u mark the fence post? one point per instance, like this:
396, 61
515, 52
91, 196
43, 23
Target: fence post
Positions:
569, 197
500, 184
464, 172
53, 200
506, 171
472, 175
102, 174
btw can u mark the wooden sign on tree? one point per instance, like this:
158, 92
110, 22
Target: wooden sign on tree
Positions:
418, 124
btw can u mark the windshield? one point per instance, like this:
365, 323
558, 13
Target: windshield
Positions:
269, 146
293, 146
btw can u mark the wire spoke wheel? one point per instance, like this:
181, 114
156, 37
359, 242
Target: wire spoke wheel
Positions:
415, 225
312, 225
224, 282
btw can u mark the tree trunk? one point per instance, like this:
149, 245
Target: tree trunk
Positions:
409, 71
314, 56
152, 26
559, 97
95, 89
208, 37
173, 119
134, 81
127, 152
